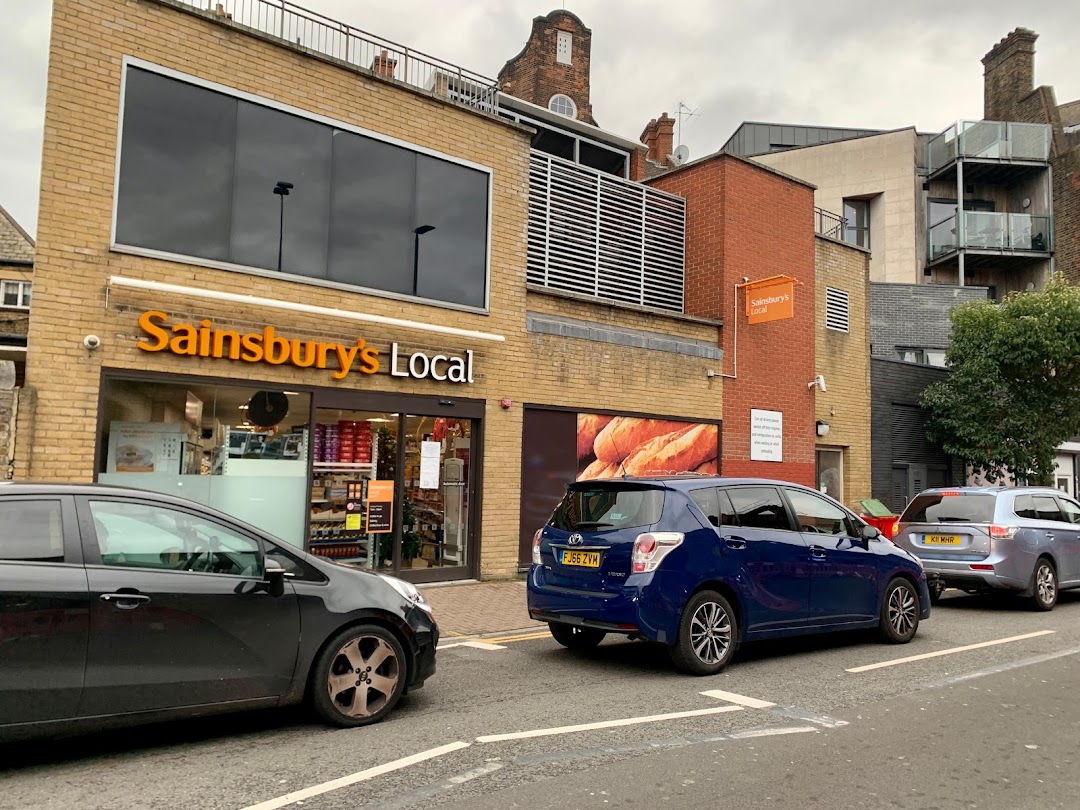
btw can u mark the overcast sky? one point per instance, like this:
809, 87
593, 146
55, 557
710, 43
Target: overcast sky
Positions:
873, 64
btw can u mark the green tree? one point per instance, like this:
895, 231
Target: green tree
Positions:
1013, 395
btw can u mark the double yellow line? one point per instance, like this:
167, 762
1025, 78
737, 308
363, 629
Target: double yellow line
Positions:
512, 639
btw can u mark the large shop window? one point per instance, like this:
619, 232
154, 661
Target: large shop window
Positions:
243, 450
201, 175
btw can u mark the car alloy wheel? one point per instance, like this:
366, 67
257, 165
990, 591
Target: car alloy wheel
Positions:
359, 676
710, 633
1045, 591
900, 609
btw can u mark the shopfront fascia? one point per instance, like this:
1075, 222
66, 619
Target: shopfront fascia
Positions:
386, 480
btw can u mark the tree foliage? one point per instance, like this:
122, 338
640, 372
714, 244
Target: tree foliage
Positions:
1013, 395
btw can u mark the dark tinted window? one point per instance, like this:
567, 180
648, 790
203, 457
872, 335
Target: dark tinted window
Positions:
1046, 508
1024, 507
959, 508
31, 531
197, 177
612, 507
270, 147
176, 174
300, 570
708, 502
759, 508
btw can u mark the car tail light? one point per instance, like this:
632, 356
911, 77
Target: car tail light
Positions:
651, 548
1003, 532
981, 567
892, 528
536, 546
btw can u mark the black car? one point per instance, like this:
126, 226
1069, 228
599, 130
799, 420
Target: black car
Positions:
120, 605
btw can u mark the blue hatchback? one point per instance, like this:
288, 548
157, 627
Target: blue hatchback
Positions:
703, 563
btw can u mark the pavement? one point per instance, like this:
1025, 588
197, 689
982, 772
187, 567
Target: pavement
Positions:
477, 609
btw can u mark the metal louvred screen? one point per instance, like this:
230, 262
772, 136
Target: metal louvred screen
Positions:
836, 309
598, 234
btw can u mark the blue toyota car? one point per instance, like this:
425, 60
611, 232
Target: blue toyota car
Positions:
702, 563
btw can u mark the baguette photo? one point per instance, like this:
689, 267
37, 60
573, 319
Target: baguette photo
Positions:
589, 426
610, 447
680, 451
623, 434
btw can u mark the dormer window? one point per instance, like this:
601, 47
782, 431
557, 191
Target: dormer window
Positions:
564, 43
563, 105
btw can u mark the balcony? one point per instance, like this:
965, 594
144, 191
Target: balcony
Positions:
990, 141
597, 234
991, 233
313, 32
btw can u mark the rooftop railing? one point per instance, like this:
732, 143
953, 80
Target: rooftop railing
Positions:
991, 140
315, 32
828, 224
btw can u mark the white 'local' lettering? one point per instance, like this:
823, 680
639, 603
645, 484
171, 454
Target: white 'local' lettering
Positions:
441, 367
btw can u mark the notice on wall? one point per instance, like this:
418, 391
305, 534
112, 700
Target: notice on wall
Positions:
766, 435
430, 453
380, 507
353, 502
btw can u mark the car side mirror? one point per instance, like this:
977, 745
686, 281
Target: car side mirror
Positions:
274, 575
868, 533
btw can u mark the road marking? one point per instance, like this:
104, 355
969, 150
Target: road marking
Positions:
478, 645
770, 732
949, 651
411, 798
352, 779
523, 637
741, 700
629, 721
810, 717
999, 668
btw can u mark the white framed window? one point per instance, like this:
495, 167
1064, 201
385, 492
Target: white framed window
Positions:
563, 105
15, 294
836, 310
564, 45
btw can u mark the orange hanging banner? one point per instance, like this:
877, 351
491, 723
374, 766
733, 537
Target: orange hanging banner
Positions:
771, 299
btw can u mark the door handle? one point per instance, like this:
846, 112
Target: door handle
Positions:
735, 542
817, 552
125, 601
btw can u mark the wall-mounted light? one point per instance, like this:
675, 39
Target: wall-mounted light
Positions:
822, 427
819, 381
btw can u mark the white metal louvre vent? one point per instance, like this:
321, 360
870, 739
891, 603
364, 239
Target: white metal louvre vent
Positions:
598, 234
836, 309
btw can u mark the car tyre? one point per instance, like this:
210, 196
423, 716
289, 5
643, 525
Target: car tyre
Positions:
708, 635
1044, 588
359, 676
576, 638
937, 588
900, 611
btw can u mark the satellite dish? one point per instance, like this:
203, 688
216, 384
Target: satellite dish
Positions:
267, 408
681, 154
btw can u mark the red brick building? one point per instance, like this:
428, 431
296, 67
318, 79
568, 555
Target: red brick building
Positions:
745, 222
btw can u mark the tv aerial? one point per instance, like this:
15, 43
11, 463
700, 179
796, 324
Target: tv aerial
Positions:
683, 112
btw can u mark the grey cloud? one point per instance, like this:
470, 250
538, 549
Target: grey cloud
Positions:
872, 64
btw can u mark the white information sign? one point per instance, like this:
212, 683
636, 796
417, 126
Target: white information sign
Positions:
429, 464
766, 435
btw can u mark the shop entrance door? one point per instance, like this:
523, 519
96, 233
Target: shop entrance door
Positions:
393, 491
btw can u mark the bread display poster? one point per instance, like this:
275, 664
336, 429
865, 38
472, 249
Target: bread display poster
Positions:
613, 446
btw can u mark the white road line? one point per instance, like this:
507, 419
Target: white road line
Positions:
629, 721
770, 732
477, 645
352, 779
997, 669
949, 651
741, 700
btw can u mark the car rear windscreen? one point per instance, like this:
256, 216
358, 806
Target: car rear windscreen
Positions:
939, 508
602, 508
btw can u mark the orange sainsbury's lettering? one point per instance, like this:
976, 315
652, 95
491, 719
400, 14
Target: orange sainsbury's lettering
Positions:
148, 325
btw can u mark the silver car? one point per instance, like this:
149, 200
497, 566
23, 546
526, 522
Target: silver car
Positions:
1021, 539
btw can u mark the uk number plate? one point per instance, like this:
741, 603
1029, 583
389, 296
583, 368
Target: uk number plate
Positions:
941, 539
583, 559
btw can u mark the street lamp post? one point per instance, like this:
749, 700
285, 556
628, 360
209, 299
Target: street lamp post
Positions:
417, 233
282, 190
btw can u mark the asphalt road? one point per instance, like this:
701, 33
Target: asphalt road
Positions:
954, 730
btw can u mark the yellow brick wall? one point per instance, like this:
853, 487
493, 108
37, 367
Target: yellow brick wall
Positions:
844, 360
74, 260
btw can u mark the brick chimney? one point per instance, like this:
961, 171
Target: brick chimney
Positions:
1009, 75
384, 65
659, 136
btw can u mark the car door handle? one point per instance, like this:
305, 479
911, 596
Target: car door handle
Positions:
125, 601
734, 542
817, 552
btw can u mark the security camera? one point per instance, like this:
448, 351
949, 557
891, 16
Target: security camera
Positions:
91, 342
819, 381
